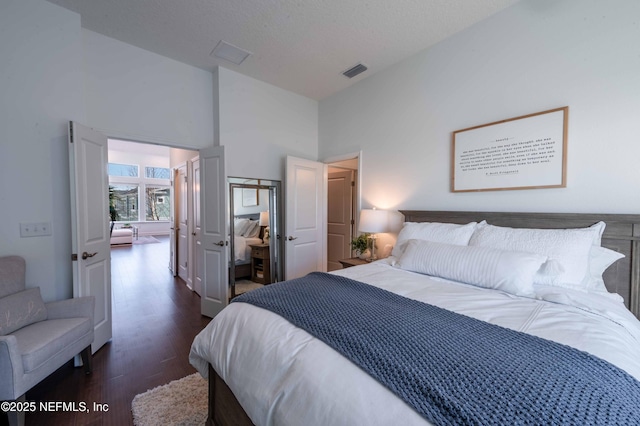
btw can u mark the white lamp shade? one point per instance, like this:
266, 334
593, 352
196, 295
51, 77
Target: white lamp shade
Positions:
373, 221
264, 218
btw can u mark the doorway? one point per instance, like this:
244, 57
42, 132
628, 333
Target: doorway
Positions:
342, 208
147, 201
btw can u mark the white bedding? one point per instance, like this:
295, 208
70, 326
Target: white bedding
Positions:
283, 376
242, 249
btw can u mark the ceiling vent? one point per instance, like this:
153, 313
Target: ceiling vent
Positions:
352, 72
230, 53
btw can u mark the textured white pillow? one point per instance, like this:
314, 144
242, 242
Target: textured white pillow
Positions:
570, 247
449, 233
509, 271
240, 226
253, 229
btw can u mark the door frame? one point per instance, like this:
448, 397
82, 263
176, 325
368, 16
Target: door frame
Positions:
169, 144
358, 187
346, 199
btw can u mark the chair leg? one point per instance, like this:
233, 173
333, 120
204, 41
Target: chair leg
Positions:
87, 360
16, 418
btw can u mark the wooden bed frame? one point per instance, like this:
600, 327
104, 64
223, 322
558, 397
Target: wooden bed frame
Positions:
622, 234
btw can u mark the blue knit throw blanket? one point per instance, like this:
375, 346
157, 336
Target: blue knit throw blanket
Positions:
453, 369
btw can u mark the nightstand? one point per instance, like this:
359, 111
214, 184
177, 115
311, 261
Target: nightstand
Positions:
260, 263
352, 261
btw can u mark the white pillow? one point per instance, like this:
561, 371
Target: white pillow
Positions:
240, 226
509, 271
253, 230
600, 259
449, 233
570, 247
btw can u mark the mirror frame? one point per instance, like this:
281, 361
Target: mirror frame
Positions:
276, 246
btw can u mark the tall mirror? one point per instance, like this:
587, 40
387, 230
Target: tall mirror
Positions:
255, 257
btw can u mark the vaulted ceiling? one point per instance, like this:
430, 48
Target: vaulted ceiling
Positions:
299, 45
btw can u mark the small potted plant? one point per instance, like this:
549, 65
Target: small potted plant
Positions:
360, 245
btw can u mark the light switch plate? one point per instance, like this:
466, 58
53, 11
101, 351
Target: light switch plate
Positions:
33, 229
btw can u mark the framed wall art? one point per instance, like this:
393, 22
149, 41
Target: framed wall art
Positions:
249, 197
526, 152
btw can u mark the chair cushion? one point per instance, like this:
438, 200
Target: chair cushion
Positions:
12, 269
122, 233
21, 309
43, 340
122, 236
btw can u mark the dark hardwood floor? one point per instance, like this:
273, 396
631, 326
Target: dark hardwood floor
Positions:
155, 318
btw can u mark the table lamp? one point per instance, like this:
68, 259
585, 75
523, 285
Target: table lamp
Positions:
373, 221
264, 221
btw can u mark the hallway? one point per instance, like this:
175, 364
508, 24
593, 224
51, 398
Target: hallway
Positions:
155, 318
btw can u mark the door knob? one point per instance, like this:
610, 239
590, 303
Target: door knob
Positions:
86, 255
220, 243
290, 238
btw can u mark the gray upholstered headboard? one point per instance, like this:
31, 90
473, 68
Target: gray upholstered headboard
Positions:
622, 234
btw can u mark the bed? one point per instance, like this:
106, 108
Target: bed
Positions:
246, 232
264, 370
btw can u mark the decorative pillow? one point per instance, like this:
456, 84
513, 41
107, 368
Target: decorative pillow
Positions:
448, 233
600, 259
570, 247
253, 230
240, 226
509, 271
21, 309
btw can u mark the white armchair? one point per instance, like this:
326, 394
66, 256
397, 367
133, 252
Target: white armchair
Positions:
37, 338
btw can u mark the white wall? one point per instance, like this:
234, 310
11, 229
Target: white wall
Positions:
179, 156
533, 56
261, 124
40, 91
53, 71
138, 95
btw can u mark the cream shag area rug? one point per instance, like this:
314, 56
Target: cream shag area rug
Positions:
181, 402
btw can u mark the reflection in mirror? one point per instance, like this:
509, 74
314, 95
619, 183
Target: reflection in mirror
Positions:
255, 257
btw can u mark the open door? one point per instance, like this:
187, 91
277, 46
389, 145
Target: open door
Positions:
306, 218
340, 217
90, 239
181, 192
213, 252
197, 227
173, 262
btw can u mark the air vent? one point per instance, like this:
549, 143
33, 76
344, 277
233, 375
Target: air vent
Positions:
230, 53
352, 72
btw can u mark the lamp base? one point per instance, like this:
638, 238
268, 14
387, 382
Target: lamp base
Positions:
373, 256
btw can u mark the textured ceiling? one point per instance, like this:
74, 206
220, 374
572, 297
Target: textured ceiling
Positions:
298, 45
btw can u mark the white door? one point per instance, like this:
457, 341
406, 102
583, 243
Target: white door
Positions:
197, 227
339, 217
173, 261
305, 238
182, 233
213, 215
88, 158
